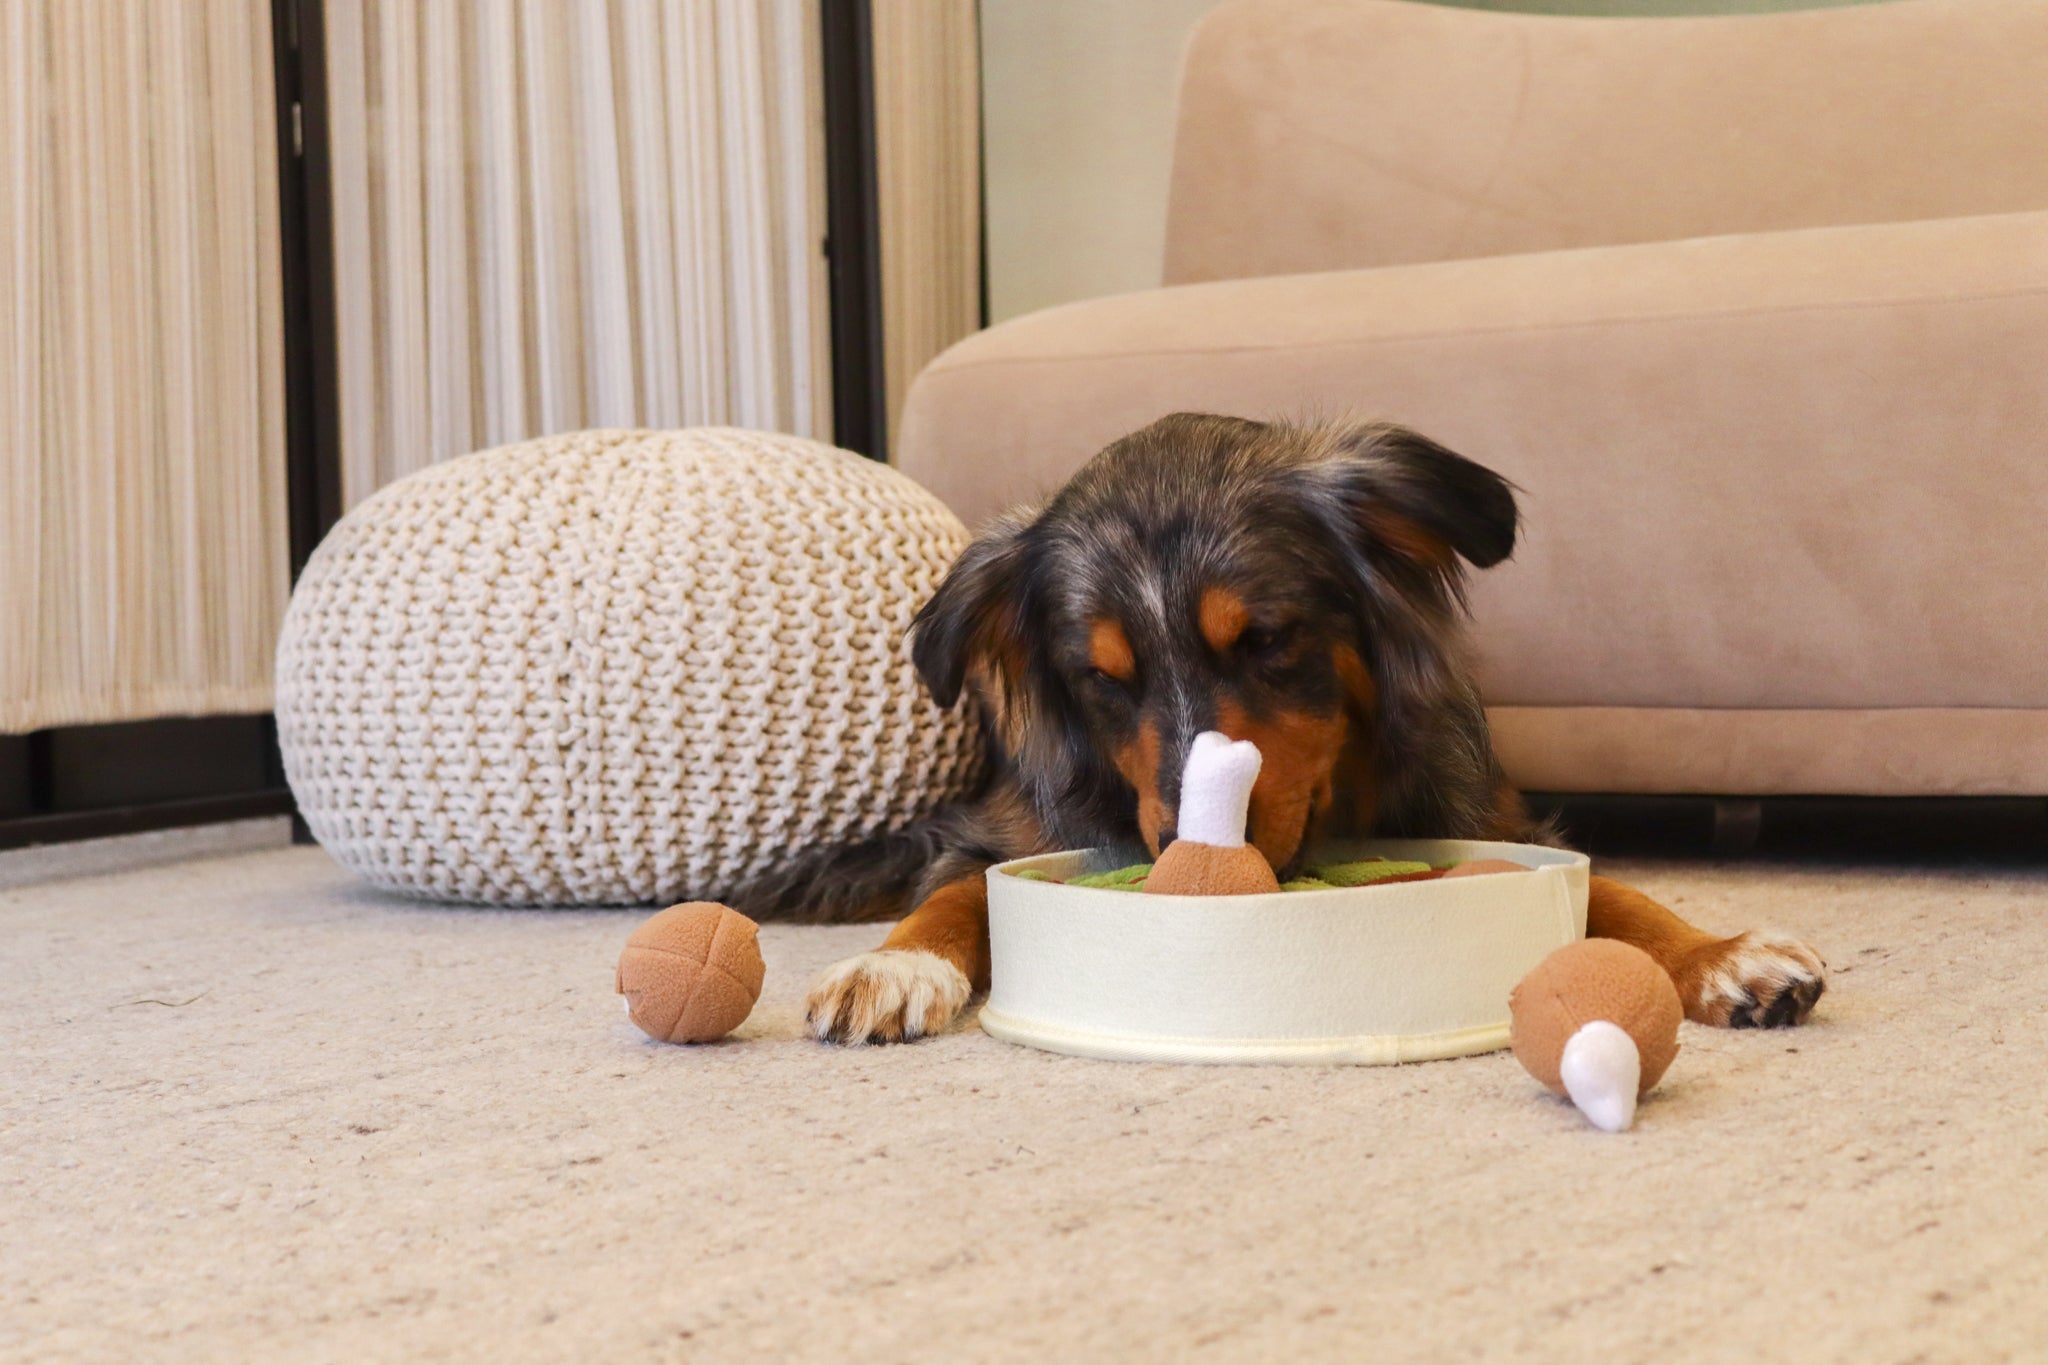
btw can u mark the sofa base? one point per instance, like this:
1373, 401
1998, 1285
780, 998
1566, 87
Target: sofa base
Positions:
1912, 751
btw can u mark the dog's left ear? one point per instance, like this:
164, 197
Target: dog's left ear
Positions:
1401, 493
974, 624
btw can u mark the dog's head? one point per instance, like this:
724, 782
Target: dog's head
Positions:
1299, 587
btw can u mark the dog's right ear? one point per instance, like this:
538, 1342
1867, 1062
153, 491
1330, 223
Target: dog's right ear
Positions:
975, 623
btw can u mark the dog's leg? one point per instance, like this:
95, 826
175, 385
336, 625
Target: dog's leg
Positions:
920, 978
1754, 980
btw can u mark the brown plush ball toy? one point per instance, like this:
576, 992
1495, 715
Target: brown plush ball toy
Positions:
1597, 1021
692, 973
1210, 856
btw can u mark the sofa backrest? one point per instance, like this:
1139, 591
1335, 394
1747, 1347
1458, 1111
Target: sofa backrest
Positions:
1334, 134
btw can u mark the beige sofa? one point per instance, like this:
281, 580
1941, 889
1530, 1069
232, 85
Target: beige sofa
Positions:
1753, 309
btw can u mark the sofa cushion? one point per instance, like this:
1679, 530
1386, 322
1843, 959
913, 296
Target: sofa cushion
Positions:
1341, 134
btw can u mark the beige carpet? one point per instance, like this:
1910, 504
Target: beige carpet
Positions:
251, 1112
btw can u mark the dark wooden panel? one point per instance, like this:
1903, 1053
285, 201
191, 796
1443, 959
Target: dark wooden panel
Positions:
14, 787
1859, 828
100, 824
306, 259
137, 763
853, 241
88, 781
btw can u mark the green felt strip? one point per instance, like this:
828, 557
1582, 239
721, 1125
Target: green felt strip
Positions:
1322, 877
1365, 873
1122, 879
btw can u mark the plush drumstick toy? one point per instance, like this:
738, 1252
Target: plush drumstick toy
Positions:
1597, 1020
691, 973
1210, 857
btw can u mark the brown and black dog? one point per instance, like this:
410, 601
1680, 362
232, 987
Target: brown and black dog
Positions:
1297, 586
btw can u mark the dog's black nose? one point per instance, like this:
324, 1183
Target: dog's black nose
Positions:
1167, 836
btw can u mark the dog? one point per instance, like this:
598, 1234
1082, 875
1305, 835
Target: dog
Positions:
1300, 586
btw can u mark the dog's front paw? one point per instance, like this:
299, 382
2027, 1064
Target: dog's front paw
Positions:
1754, 980
891, 996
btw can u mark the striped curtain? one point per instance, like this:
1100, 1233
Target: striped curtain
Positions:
143, 545
549, 214
928, 168
553, 214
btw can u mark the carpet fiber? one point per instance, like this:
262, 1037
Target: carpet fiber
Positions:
251, 1110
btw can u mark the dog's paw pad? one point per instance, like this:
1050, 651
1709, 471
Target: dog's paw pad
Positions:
891, 996
1755, 980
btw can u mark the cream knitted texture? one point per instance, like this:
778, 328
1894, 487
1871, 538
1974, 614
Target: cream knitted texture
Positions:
617, 667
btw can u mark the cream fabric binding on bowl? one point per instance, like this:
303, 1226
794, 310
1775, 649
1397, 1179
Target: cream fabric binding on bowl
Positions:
617, 667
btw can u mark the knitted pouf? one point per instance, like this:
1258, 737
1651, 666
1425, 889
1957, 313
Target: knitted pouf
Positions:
617, 667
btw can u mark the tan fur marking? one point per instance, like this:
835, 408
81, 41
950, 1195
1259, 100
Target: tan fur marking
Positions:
951, 924
1617, 911
1357, 679
1109, 649
1138, 761
1354, 778
1699, 963
1408, 540
1009, 822
1510, 813
1298, 756
1223, 617
996, 672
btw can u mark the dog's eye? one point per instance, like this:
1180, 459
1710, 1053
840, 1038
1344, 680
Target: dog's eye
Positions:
1267, 642
1107, 689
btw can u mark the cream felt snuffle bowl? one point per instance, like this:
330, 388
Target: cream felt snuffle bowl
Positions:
1399, 971
1366, 975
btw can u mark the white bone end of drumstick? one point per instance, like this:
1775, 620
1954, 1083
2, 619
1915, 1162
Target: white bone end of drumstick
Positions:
1216, 790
